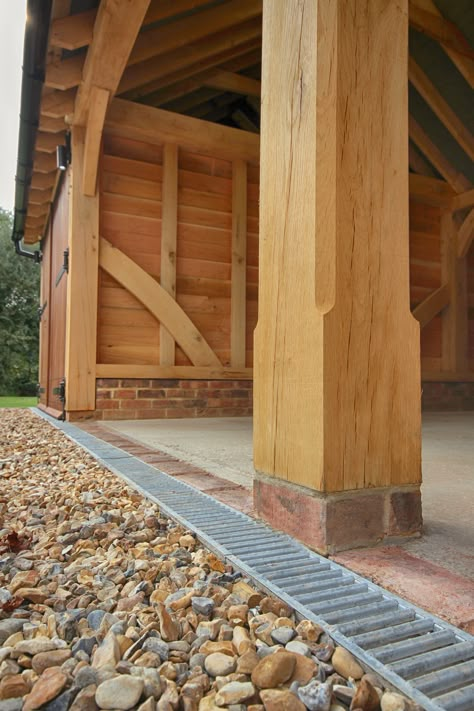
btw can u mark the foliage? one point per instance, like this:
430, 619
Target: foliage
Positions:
16, 401
19, 328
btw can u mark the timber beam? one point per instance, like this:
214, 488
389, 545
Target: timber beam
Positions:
426, 18
440, 107
432, 305
465, 234
463, 200
132, 120
457, 180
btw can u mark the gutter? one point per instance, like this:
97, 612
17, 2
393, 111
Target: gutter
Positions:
34, 60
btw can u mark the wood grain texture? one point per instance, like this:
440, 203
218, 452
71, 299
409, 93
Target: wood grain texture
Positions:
465, 234
337, 364
455, 318
169, 231
152, 125
107, 370
99, 99
81, 330
460, 202
432, 305
158, 302
239, 263
116, 27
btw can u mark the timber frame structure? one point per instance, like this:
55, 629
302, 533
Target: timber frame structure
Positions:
173, 226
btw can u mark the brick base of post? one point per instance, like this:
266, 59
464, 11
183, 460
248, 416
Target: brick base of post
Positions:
334, 522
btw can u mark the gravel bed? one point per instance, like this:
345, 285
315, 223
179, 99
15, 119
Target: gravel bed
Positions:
107, 604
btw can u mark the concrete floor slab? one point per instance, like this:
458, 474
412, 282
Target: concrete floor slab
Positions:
220, 445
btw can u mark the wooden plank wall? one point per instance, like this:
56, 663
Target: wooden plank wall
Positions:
130, 218
425, 275
131, 184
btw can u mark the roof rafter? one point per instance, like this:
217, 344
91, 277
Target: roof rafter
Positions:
176, 84
152, 43
77, 30
153, 70
426, 18
457, 180
440, 107
115, 32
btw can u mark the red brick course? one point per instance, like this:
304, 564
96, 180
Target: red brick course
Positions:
126, 399
447, 396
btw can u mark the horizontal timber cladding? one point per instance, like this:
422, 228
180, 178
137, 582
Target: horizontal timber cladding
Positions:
194, 265
426, 275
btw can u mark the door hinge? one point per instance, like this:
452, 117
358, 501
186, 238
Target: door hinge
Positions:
65, 268
40, 390
60, 391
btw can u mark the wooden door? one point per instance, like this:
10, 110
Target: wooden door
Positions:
57, 299
44, 312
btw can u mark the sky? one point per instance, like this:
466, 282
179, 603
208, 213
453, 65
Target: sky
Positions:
12, 29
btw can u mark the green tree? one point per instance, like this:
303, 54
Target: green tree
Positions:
19, 329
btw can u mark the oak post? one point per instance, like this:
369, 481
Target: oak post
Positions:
455, 317
82, 286
169, 230
337, 353
239, 263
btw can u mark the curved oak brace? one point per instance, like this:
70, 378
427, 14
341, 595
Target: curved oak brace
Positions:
432, 305
158, 302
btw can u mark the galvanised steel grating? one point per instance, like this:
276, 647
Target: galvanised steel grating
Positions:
425, 658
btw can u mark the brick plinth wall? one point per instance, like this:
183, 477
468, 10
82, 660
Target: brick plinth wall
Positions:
447, 396
134, 399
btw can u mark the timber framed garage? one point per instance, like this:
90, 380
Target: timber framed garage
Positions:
307, 165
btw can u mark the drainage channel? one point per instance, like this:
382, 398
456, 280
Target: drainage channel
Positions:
425, 658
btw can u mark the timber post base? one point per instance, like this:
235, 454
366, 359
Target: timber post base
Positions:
334, 522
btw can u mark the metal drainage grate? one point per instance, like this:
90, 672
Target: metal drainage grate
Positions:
425, 658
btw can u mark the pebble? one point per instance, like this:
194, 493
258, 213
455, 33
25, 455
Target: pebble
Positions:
53, 658
273, 670
122, 692
282, 635
298, 648
123, 609
9, 627
48, 686
235, 692
316, 696
281, 700
203, 605
392, 701
345, 664
218, 664
366, 697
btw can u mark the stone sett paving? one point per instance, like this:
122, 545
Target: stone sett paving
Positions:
107, 604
